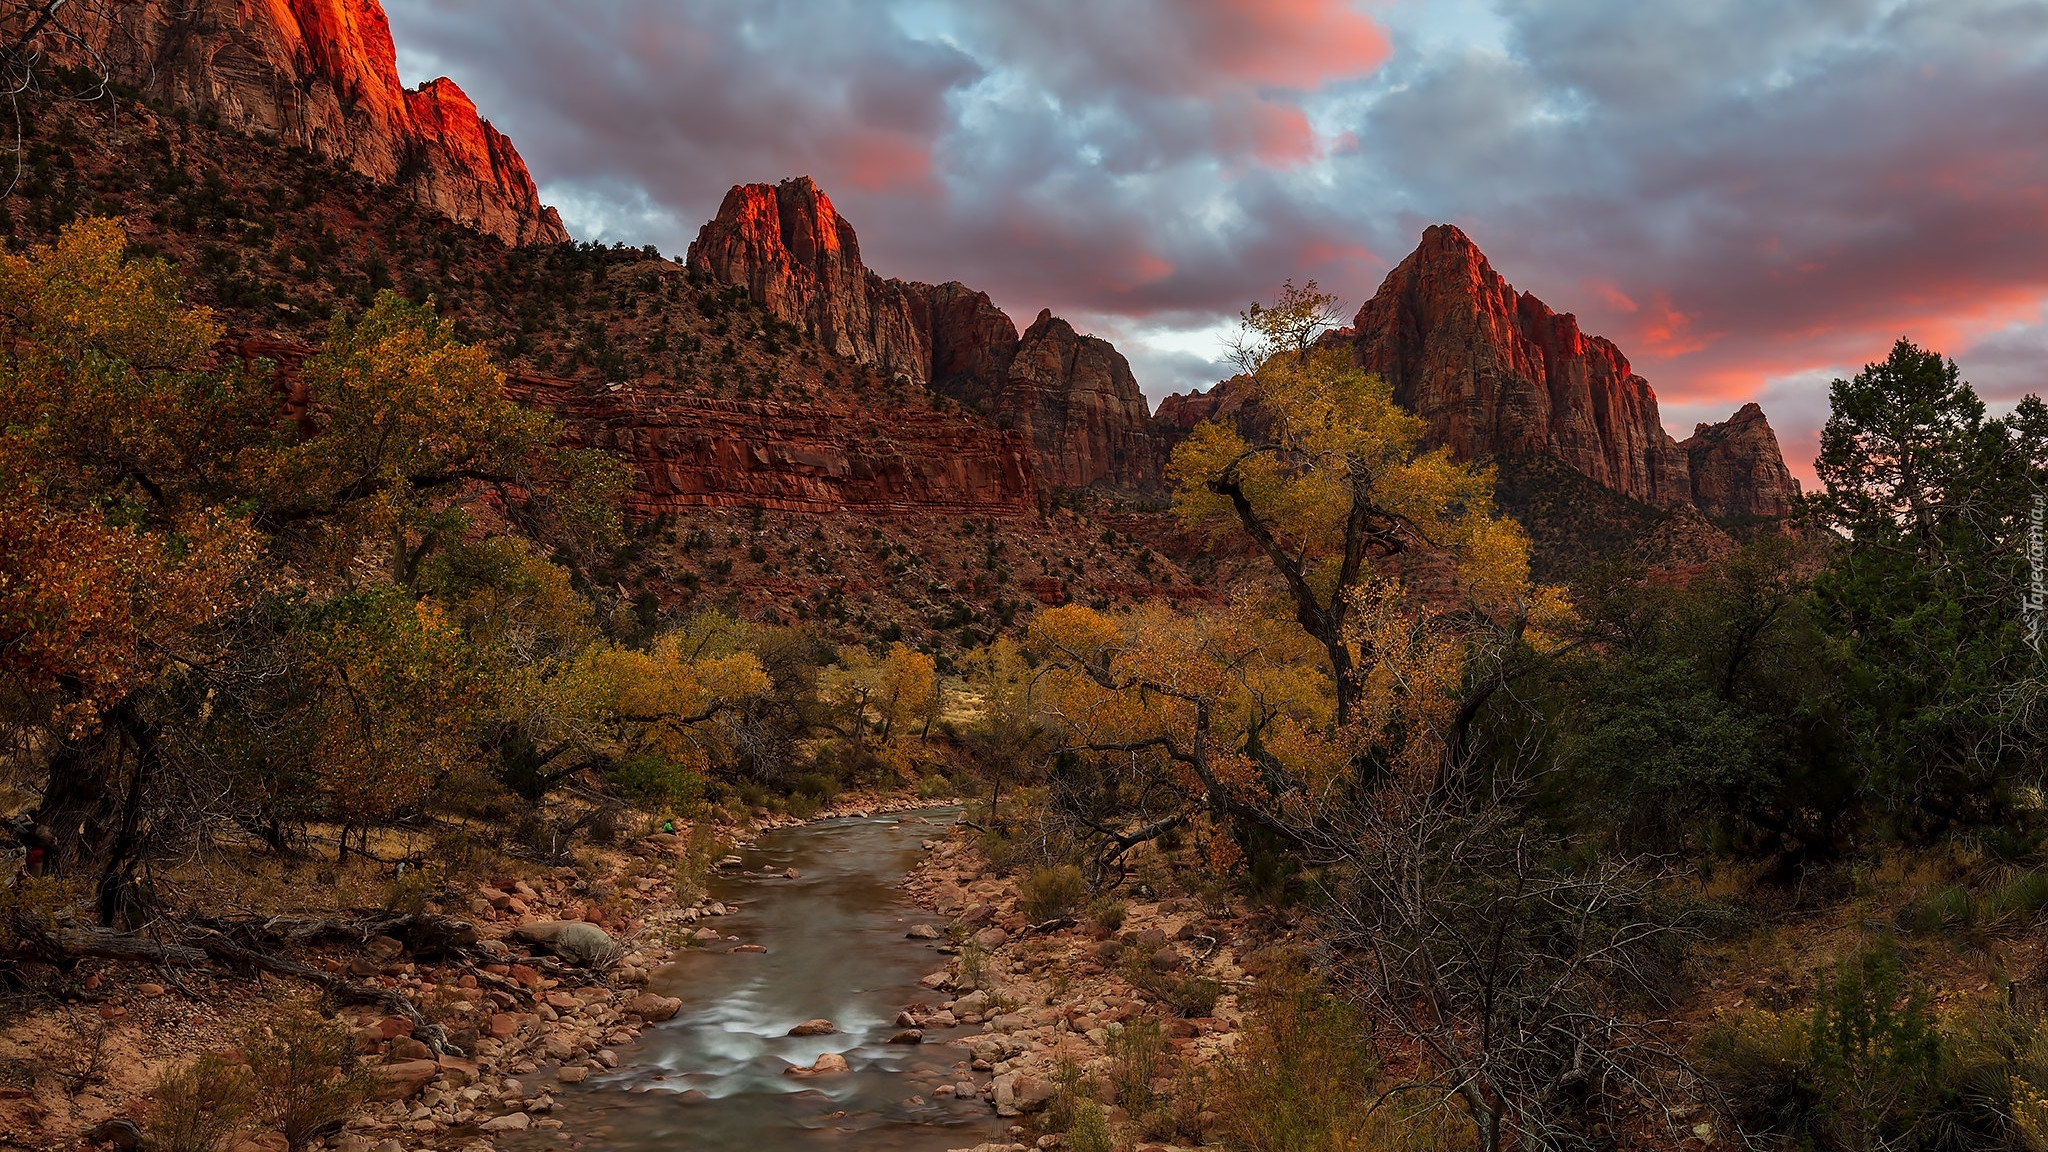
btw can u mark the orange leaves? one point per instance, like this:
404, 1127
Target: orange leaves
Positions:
1078, 632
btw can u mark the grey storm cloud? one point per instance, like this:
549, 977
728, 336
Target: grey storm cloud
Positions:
1742, 194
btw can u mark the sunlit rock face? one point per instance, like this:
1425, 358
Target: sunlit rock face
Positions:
1073, 396
323, 75
1496, 375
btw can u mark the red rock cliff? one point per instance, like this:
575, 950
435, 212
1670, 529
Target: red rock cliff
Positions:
1073, 395
694, 452
321, 74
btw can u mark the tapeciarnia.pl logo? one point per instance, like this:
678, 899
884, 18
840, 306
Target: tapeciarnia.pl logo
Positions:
2034, 606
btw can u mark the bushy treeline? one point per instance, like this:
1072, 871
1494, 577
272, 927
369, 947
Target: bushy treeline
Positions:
234, 604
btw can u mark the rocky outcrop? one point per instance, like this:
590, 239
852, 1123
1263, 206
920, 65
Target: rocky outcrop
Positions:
793, 253
1737, 469
1496, 373
699, 453
1073, 396
487, 186
322, 75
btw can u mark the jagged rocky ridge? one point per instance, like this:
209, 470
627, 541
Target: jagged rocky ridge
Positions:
322, 75
1072, 396
1495, 374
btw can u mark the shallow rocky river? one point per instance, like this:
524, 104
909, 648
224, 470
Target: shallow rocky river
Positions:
714, 1078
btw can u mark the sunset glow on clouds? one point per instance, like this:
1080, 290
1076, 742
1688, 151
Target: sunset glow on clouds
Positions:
1750, 197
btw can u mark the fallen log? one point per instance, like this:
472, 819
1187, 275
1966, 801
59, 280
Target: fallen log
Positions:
64, 944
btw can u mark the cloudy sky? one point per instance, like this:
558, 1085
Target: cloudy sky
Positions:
1749, 196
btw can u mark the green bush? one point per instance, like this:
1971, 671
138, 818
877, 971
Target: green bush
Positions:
1052, 893
817, 786
1297, 1079
1192, 996
656, 782
1874, 1048
411, 892
198, 1107
1135, 1057
1866, 1069
1107, 913
1090, 1129
306, 1076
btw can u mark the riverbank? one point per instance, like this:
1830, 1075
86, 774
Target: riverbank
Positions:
1131, 1006
83, 1054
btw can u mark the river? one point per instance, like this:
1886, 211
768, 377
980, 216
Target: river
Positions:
713, 1077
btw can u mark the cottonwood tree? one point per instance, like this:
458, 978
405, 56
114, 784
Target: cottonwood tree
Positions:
1337, 717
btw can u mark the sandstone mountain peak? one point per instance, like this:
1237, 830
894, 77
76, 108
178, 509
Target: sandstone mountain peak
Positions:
323, 75
1496, 373
1074, 396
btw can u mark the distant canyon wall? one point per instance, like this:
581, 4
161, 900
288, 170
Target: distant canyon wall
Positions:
1073, 397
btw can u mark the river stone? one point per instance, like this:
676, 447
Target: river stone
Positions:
576, 941
403, 1080
655, 1008
571, 1075
824, 1064
908, 1036
922, 932
1005, 1089
1032, 1094
510, 1122
991, 938
814, 1028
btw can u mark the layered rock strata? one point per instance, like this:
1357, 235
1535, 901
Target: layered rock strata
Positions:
695, 452
1073, 396
692, 453
321, 75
